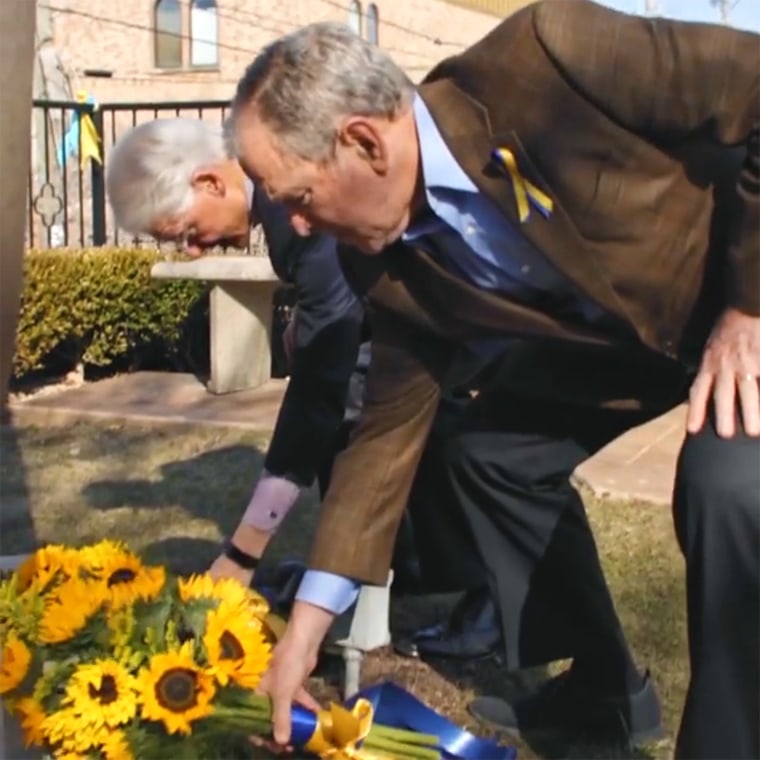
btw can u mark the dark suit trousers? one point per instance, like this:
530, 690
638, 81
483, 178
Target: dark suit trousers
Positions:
510, 464
716, 509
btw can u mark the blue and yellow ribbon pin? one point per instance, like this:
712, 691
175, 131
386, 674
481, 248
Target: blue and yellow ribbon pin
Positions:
525, 191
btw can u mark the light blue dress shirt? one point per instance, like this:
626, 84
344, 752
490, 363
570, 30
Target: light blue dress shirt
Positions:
474, 240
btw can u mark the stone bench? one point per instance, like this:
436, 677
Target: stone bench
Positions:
240, 315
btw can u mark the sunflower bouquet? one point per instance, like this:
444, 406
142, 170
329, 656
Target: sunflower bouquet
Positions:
105, 658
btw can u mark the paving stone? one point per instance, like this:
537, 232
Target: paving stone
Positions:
160, 397
640, 464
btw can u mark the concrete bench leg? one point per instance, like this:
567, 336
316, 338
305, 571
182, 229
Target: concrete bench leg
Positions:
241, 322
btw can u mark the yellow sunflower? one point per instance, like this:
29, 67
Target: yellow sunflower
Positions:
103, 693
225, 589
175, 690
68, 732
68, 609
235, 645
126, 586
14, 663
96, 557
116, 747
45, 565
123, 574
31, 715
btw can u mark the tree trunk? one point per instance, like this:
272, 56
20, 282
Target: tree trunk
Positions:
16, 64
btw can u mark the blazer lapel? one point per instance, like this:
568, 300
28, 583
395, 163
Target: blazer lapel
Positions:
465, 126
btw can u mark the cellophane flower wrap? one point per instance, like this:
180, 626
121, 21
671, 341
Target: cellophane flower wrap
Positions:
106, 658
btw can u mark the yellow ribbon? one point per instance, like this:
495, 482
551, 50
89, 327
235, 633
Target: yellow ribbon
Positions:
525, 191
339, 730
89, 140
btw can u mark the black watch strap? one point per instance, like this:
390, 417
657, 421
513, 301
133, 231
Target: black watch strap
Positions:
239, 557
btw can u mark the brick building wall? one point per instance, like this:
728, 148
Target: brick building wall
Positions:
120, 38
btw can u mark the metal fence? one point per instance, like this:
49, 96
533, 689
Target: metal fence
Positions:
67, 205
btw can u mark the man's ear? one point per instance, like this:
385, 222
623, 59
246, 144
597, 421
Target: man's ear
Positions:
367, 140
209, 180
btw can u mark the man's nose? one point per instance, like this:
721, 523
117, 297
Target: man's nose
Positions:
300, 223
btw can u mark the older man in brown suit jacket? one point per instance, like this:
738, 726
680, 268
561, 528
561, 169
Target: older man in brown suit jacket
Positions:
589, 182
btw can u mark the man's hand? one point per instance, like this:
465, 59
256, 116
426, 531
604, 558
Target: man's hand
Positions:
289, 336
293, 660
730, 364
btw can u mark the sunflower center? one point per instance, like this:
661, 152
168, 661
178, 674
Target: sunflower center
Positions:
176, 689
122, 575
107, 692
231, 647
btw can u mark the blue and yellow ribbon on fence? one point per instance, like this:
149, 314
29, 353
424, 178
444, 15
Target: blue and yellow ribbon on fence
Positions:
81, 136
526, 193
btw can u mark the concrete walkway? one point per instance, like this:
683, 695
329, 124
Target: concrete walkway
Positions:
639, 465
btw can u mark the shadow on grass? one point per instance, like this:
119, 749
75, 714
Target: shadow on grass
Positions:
199, 484
212, 486
18, 535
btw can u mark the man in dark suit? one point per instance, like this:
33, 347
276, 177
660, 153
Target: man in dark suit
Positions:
590, 182
175, 179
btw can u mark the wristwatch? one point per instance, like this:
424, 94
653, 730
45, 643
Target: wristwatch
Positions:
238, 556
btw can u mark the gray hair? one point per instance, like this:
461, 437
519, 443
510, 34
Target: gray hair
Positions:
304, 82
149, 170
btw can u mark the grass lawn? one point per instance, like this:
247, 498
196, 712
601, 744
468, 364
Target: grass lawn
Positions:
173, 492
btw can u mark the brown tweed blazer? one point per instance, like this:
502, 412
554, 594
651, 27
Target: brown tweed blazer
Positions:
646, 135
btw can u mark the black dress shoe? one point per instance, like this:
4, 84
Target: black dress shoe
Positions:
472, 632
565, 706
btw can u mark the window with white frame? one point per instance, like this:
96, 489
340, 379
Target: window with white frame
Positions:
204, 49
355, 16
372, 24
167, 27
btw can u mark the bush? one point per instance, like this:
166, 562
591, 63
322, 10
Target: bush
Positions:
100, 307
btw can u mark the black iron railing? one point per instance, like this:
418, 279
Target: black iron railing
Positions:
67, 199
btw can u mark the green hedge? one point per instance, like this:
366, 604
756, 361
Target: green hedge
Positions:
99, 307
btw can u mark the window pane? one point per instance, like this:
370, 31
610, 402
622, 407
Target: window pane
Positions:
372, 24
203, 33
168, 30
355, 17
